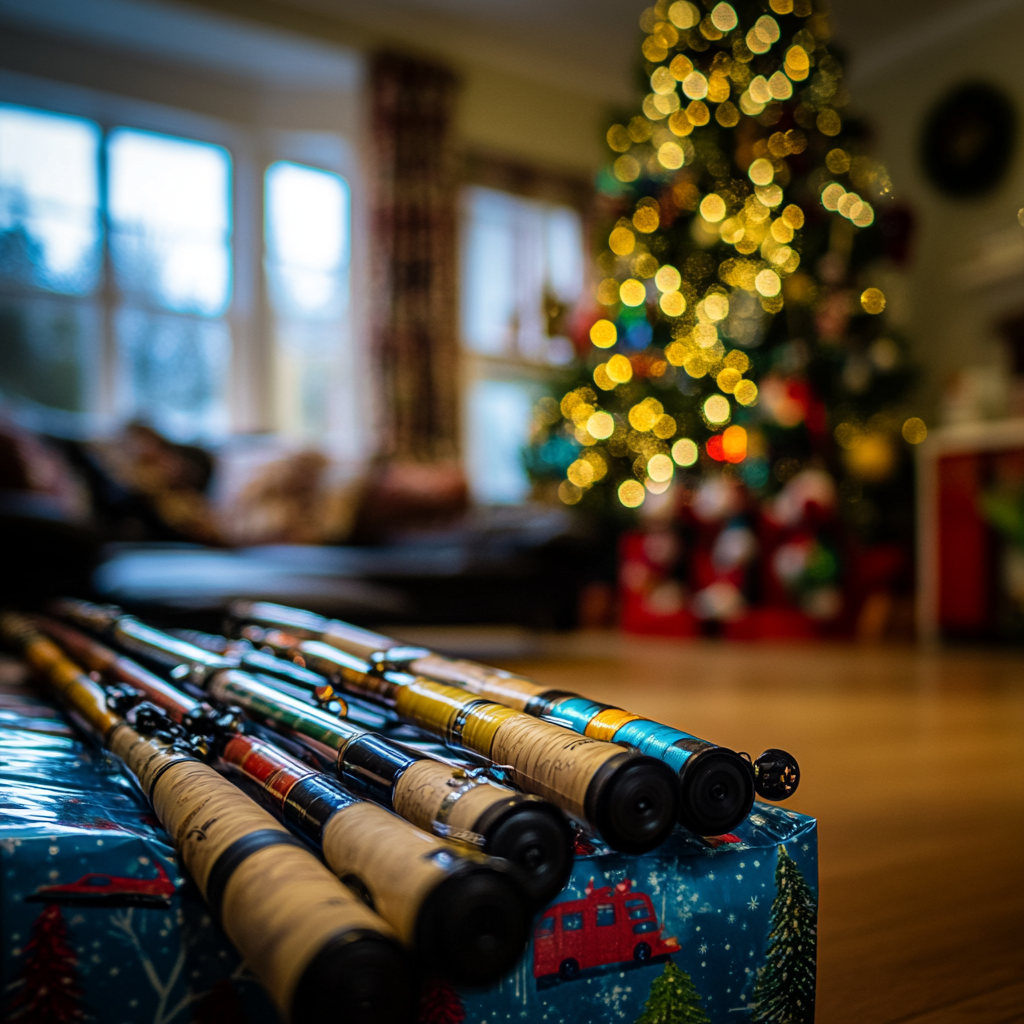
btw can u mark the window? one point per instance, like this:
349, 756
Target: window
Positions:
572, 922
522, 273
605, 914
49, 256
645, 926
546, 927
499, 411
119, 272
637, 910
307, 247
169, 214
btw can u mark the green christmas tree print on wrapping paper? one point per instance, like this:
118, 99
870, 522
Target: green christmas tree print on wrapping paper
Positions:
784, 993
673, 1000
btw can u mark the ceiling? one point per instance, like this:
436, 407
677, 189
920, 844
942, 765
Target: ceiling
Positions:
591, 45
587, 46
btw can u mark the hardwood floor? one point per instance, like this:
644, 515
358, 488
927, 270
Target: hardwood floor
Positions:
913, 763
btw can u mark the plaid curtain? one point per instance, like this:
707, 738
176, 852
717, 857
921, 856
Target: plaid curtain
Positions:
414, 221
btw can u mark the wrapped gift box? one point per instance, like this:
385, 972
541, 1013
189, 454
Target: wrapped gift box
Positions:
98, 922
696, 930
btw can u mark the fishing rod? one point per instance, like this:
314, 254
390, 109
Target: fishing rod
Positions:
717, 791
317, 949
441, 798
460, 912
629, 799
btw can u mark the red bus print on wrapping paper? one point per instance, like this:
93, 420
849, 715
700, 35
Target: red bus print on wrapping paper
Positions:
610, 926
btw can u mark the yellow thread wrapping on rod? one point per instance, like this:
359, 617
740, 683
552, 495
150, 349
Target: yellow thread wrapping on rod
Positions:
86, 698
490, 683
482, 723
605, 724
432, 706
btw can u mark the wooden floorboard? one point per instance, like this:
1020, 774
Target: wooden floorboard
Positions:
1001, 1006
913, 763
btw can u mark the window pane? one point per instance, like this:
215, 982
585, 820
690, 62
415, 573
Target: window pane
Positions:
170, 220
489, 301
564, 253
520, 259
497, 431
173, 372
49, 351
308, 374
307, 236
49, 222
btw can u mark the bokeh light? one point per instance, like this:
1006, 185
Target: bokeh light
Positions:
601, 425
603, 334
914, 430
723, 17
712, 208
745, 392
673, 304
631, 493
660, 468
685, 452
716, 409
668, 279
619, 369
632, 292
734, 444
622, 241
581, 473
671, 156
768, 283
873, 300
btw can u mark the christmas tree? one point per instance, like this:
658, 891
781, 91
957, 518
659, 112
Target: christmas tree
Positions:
741, 329
673, 1000
440, 1004
47, 990
784, 993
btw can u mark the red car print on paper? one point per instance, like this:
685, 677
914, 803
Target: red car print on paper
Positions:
110, 890
610, 927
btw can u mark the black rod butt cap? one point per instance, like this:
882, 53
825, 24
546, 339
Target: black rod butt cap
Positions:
776, 774
358, 977
475, 925
717, 791
534, 836
632, 800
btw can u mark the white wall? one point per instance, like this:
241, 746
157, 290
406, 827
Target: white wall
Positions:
968, 267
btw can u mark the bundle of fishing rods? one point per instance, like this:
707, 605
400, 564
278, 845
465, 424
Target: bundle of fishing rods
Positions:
360, 814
